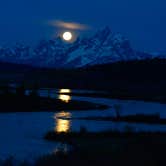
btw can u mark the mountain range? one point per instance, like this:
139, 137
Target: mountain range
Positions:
101, 48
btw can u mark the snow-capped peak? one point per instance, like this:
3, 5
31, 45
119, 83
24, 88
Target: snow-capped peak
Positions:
102, 47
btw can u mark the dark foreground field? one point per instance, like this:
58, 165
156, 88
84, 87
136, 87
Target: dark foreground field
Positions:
104, 149
114, 149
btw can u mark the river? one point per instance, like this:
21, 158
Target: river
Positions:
22, 133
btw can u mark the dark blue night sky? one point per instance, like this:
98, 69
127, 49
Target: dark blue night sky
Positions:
141, 21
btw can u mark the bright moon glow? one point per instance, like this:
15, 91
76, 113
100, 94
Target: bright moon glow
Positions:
67, 36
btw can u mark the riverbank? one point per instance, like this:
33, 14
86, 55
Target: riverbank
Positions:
138, 118
122, 95
16, 103
85, 135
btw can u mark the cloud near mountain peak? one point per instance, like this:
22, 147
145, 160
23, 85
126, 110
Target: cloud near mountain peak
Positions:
68, 25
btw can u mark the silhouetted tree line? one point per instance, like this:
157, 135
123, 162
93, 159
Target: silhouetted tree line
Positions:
19, 91
129, 79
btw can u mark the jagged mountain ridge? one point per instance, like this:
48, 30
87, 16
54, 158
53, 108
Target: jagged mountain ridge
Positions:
103, 47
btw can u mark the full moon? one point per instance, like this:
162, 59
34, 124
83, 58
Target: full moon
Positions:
67, 36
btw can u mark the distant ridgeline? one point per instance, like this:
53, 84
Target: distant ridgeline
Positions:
102, 47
